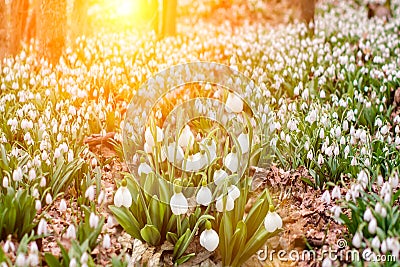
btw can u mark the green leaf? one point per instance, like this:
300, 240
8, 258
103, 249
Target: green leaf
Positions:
51, 260
151, 235
127, 221
184, 259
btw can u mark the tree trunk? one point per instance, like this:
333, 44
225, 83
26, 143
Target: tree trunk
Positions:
51, 26
3, 28
169, 18
307, 8
18, 17
80, 23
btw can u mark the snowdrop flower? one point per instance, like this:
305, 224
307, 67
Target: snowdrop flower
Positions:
380, 209
367, 215
101, 197
229, 204
173, 153
123, 196
234, 103
195, 162
243, 140
209, 238
310, 155
73, 263
327, 262
38, 205
231, 161
144, 168
326, 197
32, 174
42, 227
357, 238
93, 220
210, 147
394, 180
106, 241
71, 232
320, 159
20, 261
233, 192
204, 195
362, 178
186, 138
376, 243
49, 199
89, 193
150, 139
372, 226
63, 205
336, 193
84, 258
272, 221
219, 176
9, 246
179, 204
17, 174
5, 181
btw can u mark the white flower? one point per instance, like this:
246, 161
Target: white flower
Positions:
362, 178
210, 147
32, 174
357, 238
219, 176
179, 204
327, 261
272, 221
231, 161
376, 243
234, 103
204, 196
5, 181
229, 205
20, 261
320, 159
49, 199
63, 205
73, 263
243, 140
209, 238
310, 155
106, 241
172, 153
186, 138
89, 194
326, 197
71, 232
17, 174
38, 205
367, 215
42, 227
9, 246
144, 168
101, 197
233, 192
84, 258
336, 193
195, 162
372, 226
150, 139
93, 220
123, 197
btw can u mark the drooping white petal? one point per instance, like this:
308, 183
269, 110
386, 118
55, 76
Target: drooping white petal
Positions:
209, 239
234, 103
126, 197
150, 139
243, 140
233, 192
144, 168
186, 138
272, 221
178, 154
118, 197
231, 161
204, 196
179, 204
219, 177
211, 149
195, 162
229, 205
